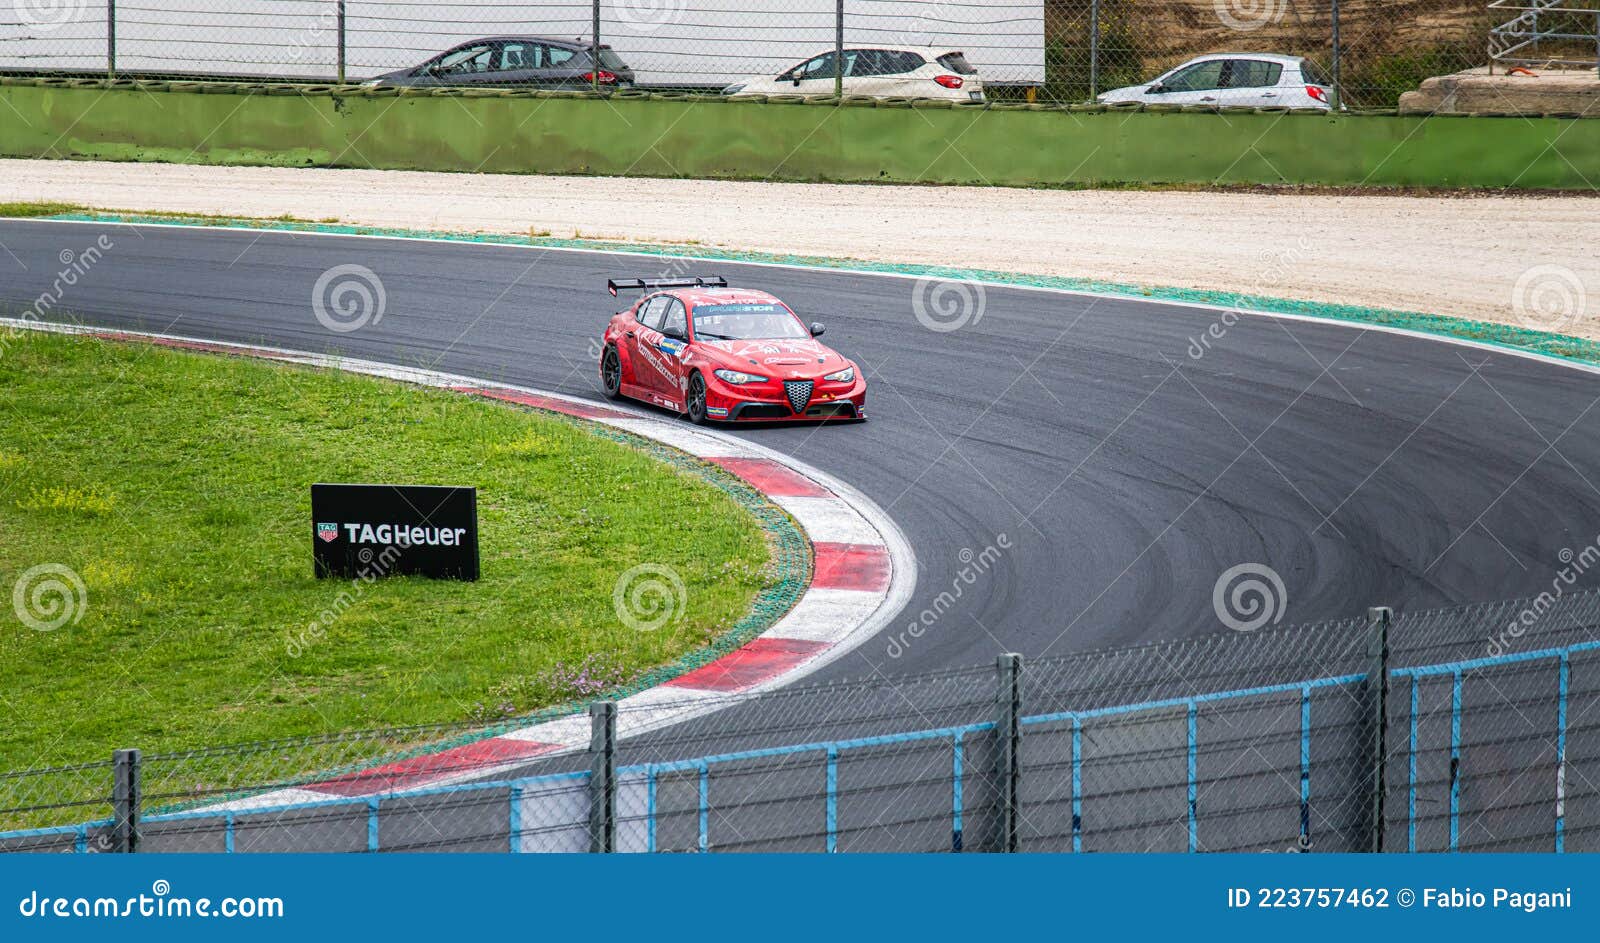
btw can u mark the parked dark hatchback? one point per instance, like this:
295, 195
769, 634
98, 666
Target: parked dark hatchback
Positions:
518, 61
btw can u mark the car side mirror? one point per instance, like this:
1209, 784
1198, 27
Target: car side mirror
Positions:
817, 328
1157, 90
797, 81
675, 335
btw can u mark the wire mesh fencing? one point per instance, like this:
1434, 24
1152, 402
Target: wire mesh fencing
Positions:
1262, 53
1450, 730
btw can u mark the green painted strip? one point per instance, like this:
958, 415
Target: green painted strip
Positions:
496, 131
1521, 339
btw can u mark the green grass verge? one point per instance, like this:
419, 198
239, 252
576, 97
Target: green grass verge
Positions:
176, 486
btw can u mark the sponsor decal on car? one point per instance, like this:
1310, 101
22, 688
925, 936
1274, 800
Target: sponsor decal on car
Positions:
672, 346
717, 412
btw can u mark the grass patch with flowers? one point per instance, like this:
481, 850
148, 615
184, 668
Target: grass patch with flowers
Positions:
167, 495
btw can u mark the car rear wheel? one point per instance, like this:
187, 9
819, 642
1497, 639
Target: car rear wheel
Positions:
611, 373
697, 399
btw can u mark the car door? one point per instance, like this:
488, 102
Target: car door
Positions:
561, 67
519, 62
469, 65
1199, 83
815, 76
644, 359
672, 344
1252, 82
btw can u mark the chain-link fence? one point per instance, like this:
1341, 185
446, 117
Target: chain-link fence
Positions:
1483, 735
1264, 53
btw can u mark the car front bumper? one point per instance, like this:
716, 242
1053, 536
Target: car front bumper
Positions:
767, 402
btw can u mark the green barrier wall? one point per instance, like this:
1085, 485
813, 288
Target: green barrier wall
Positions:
690, 137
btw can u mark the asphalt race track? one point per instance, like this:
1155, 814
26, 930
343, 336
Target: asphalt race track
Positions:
1364, 467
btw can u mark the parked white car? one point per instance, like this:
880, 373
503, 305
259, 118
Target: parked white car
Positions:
1246, 78
879, 72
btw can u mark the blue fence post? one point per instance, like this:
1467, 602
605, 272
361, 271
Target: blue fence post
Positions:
833, 800
955, 791
514, 819
1561, 756
650, 808
1455, 760
705, 805
1411, 775
227, 833
372, 824
1305, 767
1194, 789
1077, 784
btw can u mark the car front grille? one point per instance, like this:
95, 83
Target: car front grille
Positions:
799, 393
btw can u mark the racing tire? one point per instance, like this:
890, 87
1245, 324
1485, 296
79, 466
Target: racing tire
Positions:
611, 373
695, 405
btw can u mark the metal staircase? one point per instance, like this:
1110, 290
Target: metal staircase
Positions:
1546, 33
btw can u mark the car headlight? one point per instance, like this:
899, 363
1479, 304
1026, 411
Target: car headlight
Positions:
843, 376
735, 377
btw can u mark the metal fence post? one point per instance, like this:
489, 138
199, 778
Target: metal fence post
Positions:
1379, 618
1094, 49
111, 39
126, 799
1008, 730
603, 777
1338, 82
594, 72
341, 41
838, 50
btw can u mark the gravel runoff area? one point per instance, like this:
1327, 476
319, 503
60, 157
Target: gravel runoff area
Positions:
1468, 256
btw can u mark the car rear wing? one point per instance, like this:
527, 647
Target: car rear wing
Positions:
615, 285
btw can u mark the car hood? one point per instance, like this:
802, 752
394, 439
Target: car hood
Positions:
1124, 94
780, 359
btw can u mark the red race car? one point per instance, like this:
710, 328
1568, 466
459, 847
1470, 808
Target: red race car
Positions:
720, 354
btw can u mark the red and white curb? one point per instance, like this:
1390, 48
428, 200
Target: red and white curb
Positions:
864, 573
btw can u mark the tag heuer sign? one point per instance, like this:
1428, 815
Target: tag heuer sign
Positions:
371, 531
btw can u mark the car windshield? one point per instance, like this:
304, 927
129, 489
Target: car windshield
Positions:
738, 322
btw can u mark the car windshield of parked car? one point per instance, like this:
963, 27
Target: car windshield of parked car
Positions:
471, 59
1202, 76
739, 322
